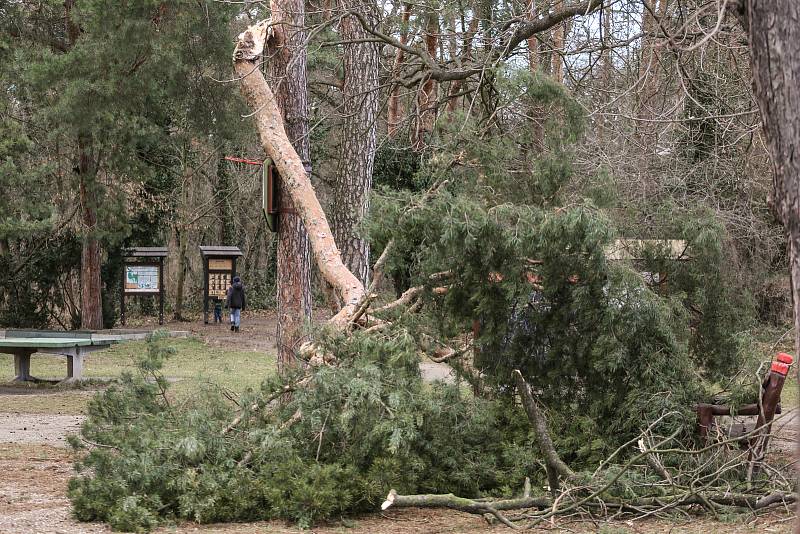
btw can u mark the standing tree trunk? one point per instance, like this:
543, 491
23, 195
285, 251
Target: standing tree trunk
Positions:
774, 33
91, 301
394, 112
606, 63
653, 15
533, 43
453, 96
607, 68
181, 229
91, 298
357, 156
426, 97
559, 38
288, 71
222, 192
182, 236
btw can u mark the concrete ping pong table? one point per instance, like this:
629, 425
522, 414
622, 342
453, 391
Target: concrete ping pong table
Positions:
74, 345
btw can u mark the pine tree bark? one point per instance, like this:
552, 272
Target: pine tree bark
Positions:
774, 33
287, 67
91, 298
359, 134
554, 466
91, 301
559, 37
533, 43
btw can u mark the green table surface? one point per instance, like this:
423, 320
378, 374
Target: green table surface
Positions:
49, 343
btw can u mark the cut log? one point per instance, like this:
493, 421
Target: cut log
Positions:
469, 506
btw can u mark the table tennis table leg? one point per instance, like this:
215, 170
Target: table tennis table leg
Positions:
22, 366
75, 365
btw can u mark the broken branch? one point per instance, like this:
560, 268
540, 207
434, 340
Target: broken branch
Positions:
553, 463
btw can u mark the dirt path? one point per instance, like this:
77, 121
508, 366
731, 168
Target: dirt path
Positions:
42, 429
258, 333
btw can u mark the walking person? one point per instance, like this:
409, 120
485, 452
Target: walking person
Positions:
236, 302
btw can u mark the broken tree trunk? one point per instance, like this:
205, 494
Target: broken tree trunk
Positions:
295, 181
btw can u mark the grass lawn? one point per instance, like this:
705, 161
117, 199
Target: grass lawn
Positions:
194, 364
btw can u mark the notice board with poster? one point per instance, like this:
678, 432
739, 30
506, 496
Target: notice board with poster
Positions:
219, 268
143, 276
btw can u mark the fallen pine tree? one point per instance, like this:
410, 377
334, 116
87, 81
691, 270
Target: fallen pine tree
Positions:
366, 422
590, 348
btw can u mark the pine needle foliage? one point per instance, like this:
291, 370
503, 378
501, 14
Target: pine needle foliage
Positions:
523, 247
336, 447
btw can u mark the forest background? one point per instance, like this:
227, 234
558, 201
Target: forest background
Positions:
115, 122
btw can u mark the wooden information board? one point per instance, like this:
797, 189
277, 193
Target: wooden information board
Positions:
218, 284
219, 269
143, 276
220, 265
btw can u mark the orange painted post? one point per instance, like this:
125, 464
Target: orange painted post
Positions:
770, 397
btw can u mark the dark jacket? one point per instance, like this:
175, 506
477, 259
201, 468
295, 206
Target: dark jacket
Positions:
236, 296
